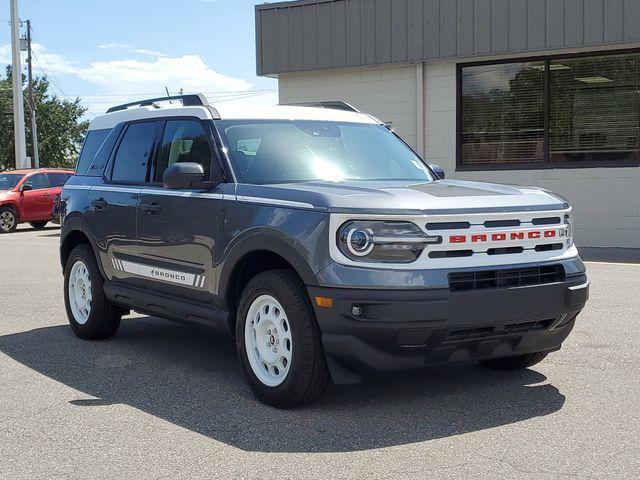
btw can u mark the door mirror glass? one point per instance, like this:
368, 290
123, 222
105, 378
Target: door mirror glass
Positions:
25, 187
183, 175
438, 170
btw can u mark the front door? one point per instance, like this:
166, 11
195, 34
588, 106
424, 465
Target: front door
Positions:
37, 203
179, 230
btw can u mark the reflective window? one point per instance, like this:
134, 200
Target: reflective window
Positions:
503, 114
297, 151
184, 141
8, 181
592, 114
58, 179
37, 181
595, 109
92, 143
134, 152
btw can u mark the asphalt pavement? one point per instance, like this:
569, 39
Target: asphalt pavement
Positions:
164, 400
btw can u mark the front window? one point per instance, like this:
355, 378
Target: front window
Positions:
281, 151
8, 181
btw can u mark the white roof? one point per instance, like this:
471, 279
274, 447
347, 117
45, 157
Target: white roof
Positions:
231, 112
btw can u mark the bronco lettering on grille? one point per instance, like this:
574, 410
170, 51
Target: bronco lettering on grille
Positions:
502, 236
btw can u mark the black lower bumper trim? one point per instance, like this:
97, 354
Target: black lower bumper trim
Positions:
369, 330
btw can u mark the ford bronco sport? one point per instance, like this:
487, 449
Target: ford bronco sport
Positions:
317, 238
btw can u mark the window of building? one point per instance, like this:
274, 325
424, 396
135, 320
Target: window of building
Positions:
134, 151
560, 111
184, 141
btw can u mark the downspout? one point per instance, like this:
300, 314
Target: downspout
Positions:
420, 133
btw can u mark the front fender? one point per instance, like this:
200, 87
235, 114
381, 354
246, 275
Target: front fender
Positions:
270, 240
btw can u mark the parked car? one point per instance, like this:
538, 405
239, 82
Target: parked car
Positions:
317, 238
28, 196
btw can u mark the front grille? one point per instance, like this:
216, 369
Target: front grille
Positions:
505, 278
477, 333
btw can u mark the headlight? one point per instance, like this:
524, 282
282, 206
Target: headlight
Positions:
380, 241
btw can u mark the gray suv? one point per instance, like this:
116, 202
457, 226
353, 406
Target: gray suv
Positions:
317, 238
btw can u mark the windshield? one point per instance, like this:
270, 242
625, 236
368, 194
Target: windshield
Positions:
9, 180
281, 151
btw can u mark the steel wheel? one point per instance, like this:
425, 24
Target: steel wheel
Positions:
268, 341
7, 221
80, 296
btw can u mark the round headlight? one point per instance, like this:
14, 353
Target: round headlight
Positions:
360, 242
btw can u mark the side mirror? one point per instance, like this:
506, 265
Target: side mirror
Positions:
183, 175
438, 170
25, 187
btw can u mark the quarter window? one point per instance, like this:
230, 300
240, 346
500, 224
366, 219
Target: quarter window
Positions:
92, 143
184, 141
134, 152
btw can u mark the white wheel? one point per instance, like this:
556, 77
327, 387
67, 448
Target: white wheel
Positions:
268, 341
80, 296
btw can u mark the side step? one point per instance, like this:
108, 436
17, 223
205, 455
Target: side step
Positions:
165, 306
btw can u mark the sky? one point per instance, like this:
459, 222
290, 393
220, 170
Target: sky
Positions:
109, 52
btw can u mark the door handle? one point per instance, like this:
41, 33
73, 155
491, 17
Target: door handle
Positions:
151, 208
99, 203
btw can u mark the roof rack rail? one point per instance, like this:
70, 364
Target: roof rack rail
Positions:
191, 100
332, 104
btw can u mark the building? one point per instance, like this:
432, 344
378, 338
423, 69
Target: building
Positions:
530, 92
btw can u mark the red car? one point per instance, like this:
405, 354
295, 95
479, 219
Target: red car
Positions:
28, 195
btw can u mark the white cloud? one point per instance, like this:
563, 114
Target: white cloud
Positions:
119, 81
141, 51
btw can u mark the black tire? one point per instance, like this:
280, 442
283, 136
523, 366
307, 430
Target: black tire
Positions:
8, 219
104, 319
518, 362
308, 375
38, 225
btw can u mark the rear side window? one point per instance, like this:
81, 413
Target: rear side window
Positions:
58, 179
92, 143
134, 152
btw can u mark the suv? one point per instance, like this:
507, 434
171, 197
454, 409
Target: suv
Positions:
317, 238
28, 196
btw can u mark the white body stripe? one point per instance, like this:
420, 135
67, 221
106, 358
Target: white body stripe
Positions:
273, 201
158, 273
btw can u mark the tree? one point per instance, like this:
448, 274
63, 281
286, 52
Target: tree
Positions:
60, 125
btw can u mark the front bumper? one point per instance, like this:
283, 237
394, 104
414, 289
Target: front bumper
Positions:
409, 329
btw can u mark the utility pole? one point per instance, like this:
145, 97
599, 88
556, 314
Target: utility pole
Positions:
32, 103
18, 105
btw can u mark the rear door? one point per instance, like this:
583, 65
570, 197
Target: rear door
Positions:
179, 230
36, 204
111, 219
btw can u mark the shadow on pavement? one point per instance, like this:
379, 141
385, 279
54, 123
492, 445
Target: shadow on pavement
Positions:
190, 377
27, 229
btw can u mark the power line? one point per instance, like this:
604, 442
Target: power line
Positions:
52, 77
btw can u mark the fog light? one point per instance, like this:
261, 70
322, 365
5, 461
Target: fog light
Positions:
356, 310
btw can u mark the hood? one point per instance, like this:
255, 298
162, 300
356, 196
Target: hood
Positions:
440, 196
4, 194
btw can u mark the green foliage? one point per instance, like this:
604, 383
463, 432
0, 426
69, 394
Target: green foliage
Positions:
59, 121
